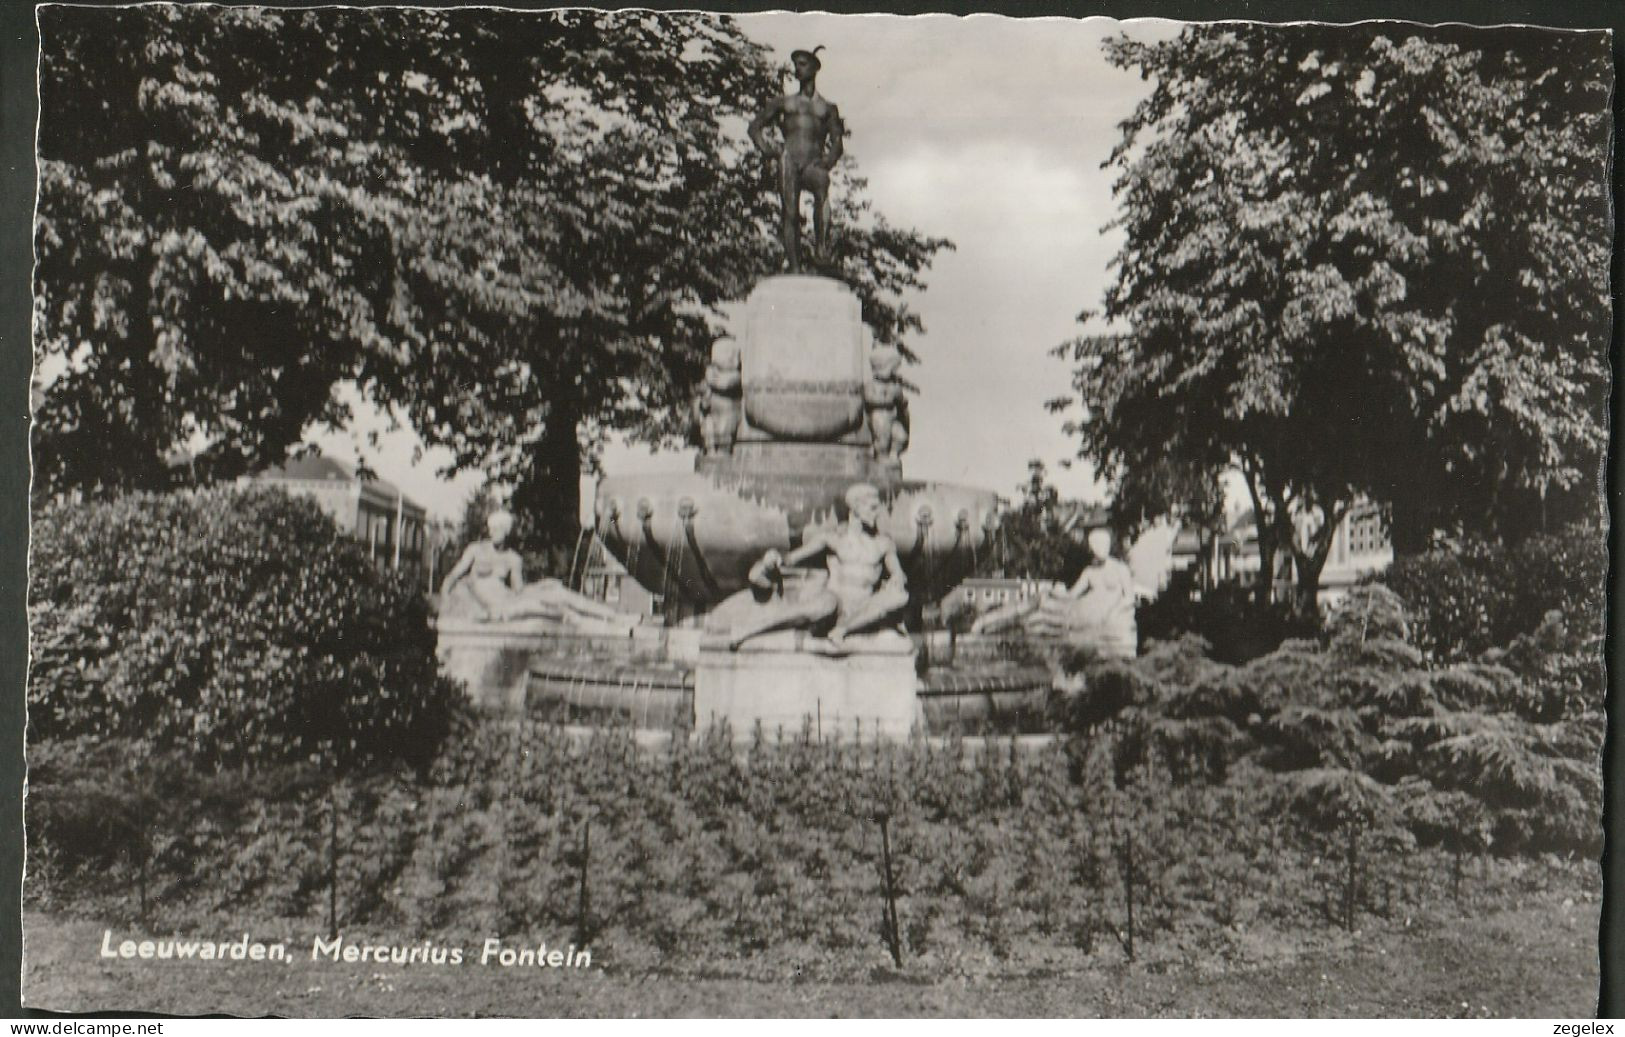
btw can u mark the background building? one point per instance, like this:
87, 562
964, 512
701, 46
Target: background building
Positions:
1360, 547
606, 579
374, 511
1207, 557
985, 593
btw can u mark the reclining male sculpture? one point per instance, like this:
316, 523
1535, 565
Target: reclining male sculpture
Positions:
863, 588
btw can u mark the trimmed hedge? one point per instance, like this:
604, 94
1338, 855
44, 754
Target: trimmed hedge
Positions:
238, 625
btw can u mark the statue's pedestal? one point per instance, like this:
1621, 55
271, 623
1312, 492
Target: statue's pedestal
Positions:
1114, 638
803, 361
493, 659
776, 681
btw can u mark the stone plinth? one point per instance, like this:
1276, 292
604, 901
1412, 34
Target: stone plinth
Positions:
493, 659
777, 681
803, 438
803, 359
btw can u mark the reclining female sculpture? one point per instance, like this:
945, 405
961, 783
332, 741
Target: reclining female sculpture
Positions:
487, 584
1097, 611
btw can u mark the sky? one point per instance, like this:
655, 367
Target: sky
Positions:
986, 130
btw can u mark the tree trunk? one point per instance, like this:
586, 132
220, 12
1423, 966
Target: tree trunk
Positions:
1264, 593
549, 492
1205, 540
1309, 564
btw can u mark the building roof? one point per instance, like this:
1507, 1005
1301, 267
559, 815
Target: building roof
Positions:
320, 468
1082, 516
1188, 541
600, 561
311, 466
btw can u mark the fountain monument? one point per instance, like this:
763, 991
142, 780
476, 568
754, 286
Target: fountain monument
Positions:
796, 558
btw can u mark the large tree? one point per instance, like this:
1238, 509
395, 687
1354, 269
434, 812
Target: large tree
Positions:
1361, 260
1037, 538
512, 230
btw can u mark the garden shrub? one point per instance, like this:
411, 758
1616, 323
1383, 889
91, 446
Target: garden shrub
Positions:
237, 624
1483, 687
1285, 675
1302, 736
1228, 618
1519, 736
1217, 694
767, 863
1329, 797
1109, 688
1451, 593
1454, 820
1562, 670
1565, 572
1368, 613
704, 859
1476, 595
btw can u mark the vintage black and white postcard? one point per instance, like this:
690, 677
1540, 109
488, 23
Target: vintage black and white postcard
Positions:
592, 512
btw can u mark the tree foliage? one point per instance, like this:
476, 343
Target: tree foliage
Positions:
1477, 595
509, 229
1036, 539
1361, 260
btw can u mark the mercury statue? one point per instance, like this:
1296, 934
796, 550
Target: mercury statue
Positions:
812, 145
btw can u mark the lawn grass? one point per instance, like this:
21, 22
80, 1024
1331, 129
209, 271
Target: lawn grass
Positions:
1532, 958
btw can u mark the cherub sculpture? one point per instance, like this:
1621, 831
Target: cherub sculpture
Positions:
886, 404
721, 404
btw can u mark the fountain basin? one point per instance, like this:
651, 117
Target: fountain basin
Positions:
661, 695
696, 535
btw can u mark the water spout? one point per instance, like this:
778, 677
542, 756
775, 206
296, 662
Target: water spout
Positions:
685, 512
570, 580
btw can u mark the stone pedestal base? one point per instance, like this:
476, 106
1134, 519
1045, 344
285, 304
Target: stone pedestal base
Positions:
803, 359
1108, 644
493, 659
777, 682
